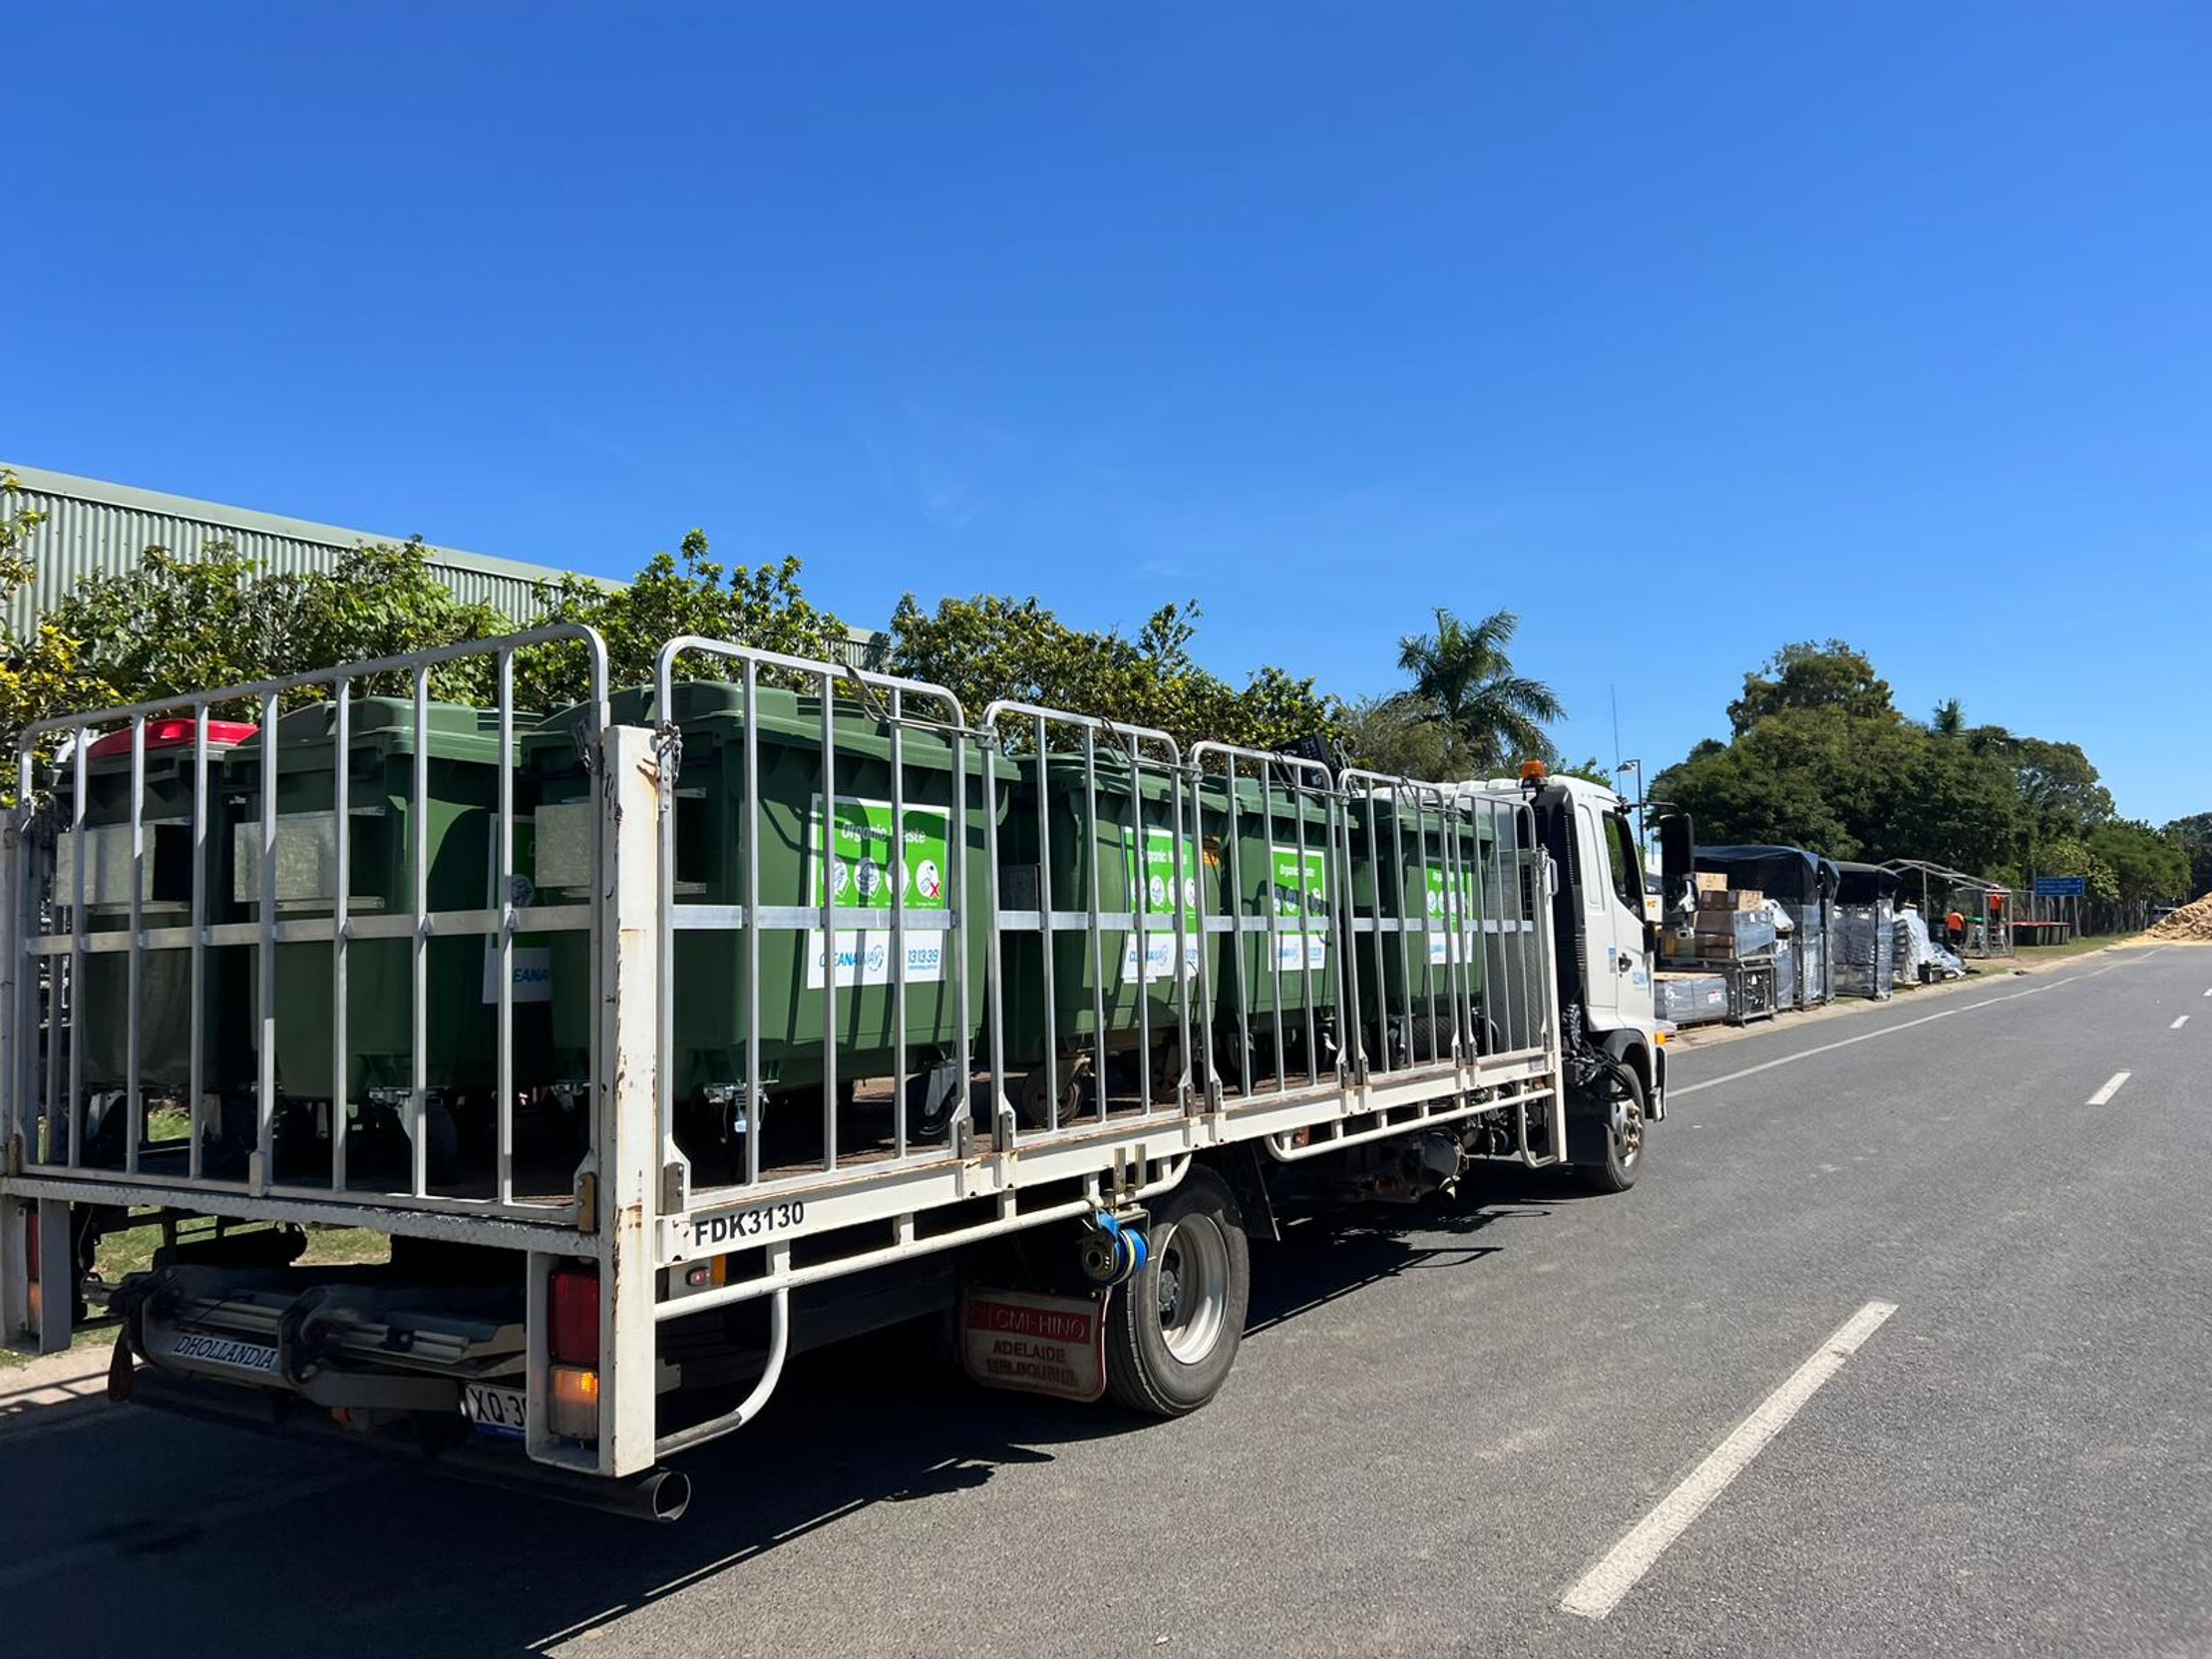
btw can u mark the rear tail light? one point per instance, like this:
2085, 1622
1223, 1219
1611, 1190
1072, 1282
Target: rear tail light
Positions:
571, 1309
572, 1339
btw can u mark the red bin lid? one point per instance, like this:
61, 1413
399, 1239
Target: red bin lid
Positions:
174, 735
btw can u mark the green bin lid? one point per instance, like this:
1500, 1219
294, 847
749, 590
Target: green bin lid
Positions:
714, 711
457, 731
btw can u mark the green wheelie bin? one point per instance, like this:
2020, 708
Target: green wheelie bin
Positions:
1110, 998
1416, 859
461, 1026
1275, 856
713, 823
165, 976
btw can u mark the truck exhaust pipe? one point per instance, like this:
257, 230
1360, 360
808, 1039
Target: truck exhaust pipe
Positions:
661, 1494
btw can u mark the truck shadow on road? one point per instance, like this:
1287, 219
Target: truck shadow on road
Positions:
282, 1547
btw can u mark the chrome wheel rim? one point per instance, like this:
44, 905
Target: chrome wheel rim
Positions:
1628, 1131
1192, 1281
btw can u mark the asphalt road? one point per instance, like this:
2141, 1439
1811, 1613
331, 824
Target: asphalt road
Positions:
1442, 1420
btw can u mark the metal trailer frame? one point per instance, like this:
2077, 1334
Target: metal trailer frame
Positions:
1989, 925
634, 1211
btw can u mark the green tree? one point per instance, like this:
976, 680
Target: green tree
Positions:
1949, 719
1771, 791
1951, 806
2071, 855
175, 624
2148, 866
2194, 835
1807, 675
17, 522
1394, 736
2059, 789
686, 592
41, 674
1464, 679
1821, 758
991, 647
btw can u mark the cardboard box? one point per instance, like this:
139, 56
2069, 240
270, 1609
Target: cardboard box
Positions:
1711, 881
1676, 947
1734, 898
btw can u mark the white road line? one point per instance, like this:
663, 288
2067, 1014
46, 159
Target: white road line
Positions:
2103, 1096
1676, 1091
1598, 1591
2208, 990
2178, 1023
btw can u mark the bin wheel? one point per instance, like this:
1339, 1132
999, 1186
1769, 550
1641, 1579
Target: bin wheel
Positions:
933, 1099
1167, 1064
1430, 1039
1172, 1330
1074, 1071
1623, 1138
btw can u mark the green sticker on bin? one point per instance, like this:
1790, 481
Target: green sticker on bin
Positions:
865, 869
1306, 902
1168, 900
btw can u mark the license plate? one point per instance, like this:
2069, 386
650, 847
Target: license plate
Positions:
496, 1410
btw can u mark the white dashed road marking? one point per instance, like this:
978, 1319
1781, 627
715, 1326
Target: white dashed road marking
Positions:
1598, 1591
2104, 1096
2178, 1023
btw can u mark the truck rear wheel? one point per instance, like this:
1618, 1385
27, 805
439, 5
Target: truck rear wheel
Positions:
1172, 1331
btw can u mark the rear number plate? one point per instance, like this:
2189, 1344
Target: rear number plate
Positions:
496, 1410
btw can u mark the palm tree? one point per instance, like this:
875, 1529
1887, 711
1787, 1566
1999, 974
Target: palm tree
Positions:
1949, 719
1464, 679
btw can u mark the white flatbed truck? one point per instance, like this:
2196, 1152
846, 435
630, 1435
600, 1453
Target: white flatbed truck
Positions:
576, 1333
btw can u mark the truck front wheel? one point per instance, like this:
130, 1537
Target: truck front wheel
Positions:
1173, 1329
1624, 1131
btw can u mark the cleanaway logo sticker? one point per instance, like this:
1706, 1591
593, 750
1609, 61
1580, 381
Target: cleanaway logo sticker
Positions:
533, 973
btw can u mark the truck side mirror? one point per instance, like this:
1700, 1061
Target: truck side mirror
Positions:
1678, 849
1677, 859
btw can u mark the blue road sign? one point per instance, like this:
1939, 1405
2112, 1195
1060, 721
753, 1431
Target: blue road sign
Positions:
2062, 887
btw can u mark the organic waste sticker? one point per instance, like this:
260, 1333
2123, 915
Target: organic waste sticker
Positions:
1295, 952
1442, 912
866, 870
1169, 903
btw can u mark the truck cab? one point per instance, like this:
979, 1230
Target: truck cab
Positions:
1613, 1045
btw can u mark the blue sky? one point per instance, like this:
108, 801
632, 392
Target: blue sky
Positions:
1682, 331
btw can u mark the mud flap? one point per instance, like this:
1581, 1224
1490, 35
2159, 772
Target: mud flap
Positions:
1033, 1344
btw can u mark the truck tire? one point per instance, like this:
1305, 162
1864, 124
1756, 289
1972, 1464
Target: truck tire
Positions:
1172, 1331
1624, 1135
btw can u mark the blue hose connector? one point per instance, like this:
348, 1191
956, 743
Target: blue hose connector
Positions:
1115, 1253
